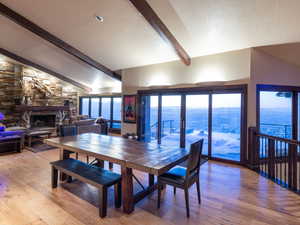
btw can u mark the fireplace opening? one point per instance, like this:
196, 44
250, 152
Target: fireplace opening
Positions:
38, 121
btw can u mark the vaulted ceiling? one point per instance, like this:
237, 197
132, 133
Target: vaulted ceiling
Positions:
126, 40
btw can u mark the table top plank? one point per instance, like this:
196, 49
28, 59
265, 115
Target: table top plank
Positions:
147, 157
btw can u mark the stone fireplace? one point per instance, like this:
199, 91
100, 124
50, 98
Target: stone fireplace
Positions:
43, 117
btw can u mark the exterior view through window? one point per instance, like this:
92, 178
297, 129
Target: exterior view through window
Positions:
107, 107
226, 126
170, 124
276, 113
197, 120
181, 119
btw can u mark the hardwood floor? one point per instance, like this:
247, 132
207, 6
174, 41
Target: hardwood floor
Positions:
230, 195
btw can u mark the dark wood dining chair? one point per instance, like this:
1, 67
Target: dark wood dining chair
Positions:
184, 178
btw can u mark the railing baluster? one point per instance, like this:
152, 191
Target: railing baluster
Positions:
266, 155
281, 158
271, 158
276, 158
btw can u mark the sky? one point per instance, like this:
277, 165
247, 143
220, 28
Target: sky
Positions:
268, 99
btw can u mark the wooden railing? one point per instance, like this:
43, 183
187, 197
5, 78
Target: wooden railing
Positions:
275, 158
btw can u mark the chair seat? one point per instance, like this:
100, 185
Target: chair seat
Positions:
174, 175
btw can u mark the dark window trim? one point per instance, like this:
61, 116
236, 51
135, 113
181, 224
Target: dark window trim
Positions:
269, 87
209, 90
111, 120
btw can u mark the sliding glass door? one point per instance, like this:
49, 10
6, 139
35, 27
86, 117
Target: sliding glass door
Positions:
197, 107
170, 120
226, 126
178, 120
150, 114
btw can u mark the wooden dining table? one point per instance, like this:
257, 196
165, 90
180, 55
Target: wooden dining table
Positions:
150, 158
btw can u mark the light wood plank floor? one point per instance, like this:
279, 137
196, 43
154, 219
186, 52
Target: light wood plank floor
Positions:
230, 195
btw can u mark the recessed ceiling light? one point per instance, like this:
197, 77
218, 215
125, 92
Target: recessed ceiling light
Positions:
99, 18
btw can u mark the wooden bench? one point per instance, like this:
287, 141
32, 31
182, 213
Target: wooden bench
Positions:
98, 177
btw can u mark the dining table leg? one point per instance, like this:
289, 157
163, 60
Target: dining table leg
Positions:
127, 190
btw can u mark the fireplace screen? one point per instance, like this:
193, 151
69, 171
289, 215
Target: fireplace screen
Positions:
42, 121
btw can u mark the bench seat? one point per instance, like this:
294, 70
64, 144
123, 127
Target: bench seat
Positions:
98, 177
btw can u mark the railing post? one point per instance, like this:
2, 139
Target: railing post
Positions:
292, 167
253, 148
271, 158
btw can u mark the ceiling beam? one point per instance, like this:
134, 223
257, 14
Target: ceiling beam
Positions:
34, 28
145, 9
42, 68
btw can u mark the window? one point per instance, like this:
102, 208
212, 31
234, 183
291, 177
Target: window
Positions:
117, 107
170, 122
117, 104
107, 107
95, 104
178, 118
197, 120
278, 111
151, 118
85, 106
226, 126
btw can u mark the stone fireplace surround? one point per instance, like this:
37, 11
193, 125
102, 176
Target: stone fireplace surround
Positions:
41, 117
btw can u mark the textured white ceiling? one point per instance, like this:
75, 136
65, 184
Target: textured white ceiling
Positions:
126, 40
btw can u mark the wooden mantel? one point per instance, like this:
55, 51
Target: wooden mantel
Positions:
24, 108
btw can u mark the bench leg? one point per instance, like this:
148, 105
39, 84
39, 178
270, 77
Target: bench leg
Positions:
102, 201
118, 194
54, 176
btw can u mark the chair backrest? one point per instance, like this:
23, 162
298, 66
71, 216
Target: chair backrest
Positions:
69, 130
194, 159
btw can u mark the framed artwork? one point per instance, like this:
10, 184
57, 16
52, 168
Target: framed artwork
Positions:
129, 108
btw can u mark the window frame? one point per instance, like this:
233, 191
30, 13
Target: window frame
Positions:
273, 88
210, 90
111, 119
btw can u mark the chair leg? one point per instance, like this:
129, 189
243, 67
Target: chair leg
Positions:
102, 201
118, 194
198, 191
159, 188
69, 179
54, 176
186, 193
76, 155
87, 159
174, 190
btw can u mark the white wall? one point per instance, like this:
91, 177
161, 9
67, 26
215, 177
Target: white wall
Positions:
267, 69
227, 67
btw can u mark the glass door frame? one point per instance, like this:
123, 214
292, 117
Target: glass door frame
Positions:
280, 88
209, 90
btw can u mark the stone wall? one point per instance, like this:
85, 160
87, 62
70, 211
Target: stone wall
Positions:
10, 89
21, 85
